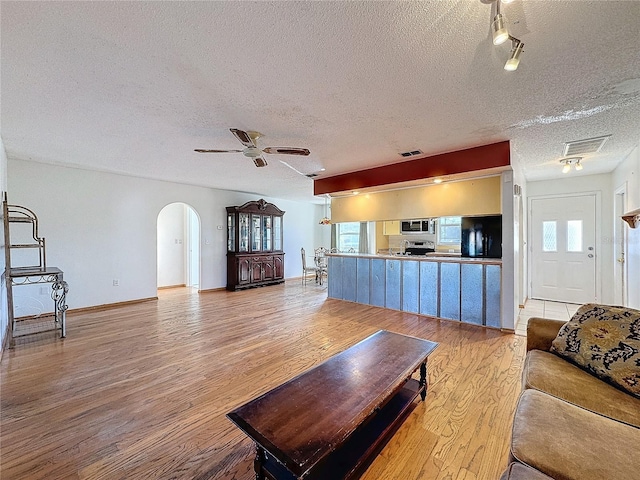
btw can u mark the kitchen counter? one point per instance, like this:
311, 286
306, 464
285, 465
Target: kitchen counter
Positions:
435, 256
446, 286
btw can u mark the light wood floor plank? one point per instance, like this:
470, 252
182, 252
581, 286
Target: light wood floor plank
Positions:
141, 390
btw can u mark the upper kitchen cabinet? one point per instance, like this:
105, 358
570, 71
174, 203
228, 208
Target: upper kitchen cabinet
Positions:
254, 245
391, 227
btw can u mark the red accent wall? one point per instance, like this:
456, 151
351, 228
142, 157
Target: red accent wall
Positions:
461, 161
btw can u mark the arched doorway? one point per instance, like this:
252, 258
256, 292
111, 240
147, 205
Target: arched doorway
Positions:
178, 253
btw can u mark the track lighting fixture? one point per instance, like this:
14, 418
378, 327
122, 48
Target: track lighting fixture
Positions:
498, 27
500, 35
567, 162
514, 58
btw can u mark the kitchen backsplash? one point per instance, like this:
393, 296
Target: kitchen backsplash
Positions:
395, 241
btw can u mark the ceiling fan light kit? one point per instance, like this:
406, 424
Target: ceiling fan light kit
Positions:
249, 140
500, 35
252, 152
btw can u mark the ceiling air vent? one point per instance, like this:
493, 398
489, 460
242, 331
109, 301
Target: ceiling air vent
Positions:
413, 153
311, 175
584, 147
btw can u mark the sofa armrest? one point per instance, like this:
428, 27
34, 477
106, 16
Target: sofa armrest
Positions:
541, 332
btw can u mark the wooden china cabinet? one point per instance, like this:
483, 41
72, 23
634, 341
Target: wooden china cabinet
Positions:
254, 245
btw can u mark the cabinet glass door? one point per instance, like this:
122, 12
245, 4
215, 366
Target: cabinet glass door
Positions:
244, 232
277, 233
266, 232
256, 237
231, 232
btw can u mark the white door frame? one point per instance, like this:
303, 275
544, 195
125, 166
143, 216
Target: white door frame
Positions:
620, 247
598, 235
192, 245
522, 246
190, 257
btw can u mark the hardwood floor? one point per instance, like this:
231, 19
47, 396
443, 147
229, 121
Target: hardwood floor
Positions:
141, 391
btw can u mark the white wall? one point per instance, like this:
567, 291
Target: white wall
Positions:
323, 232
171, 245
604, 228
520, 267
193, 247
628, 173
4, 319
100, 226
508, 297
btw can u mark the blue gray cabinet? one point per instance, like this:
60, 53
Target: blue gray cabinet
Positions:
378, 287
392, 284
472, 295
458, 289
411, 286
450, 291
429, 289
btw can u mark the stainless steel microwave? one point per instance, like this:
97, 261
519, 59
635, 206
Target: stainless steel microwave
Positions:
427, 225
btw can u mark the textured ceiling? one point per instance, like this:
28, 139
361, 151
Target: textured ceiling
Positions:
134, 87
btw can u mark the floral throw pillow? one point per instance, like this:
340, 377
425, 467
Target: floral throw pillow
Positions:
605, 341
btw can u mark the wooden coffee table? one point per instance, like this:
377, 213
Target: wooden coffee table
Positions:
331, 421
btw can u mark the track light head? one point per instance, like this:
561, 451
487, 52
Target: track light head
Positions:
514, 58
499, 29
500, 34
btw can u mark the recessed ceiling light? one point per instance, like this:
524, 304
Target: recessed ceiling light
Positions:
322, 169
355, 192
437, 180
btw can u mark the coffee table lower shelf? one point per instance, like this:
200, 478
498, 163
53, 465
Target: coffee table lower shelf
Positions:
353, 457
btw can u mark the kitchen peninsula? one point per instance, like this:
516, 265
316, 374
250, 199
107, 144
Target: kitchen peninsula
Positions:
452, 287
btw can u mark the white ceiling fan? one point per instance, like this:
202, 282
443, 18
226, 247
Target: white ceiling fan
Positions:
249, 140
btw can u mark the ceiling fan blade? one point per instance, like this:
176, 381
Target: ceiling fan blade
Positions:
287, 150
244, 137
260, 162
200, 150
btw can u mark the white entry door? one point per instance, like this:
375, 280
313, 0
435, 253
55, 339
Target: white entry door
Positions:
563, 254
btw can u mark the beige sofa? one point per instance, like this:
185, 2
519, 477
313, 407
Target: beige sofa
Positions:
569, 424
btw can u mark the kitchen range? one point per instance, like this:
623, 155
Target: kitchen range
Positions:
418, 247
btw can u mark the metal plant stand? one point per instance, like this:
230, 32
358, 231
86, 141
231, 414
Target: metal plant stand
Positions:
37, 273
